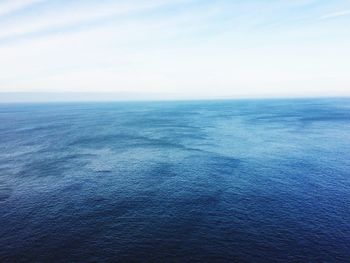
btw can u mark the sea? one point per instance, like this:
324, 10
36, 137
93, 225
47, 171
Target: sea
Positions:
176, 181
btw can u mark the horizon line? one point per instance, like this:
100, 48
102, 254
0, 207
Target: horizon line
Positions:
105, 97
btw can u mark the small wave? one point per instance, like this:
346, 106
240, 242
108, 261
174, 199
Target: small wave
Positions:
5, 193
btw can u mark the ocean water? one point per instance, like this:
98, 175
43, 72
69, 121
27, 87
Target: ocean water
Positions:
209, 181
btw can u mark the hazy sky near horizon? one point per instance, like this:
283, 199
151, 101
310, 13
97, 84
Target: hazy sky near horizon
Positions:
191, 47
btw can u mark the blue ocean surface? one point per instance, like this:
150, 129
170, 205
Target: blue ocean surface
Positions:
195, 181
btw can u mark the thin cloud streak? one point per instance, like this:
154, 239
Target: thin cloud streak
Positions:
336, 14
67, 16
9, 6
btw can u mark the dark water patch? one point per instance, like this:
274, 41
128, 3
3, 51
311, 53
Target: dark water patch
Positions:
328, 118
103, 171
40, 128
111, 139
213, 163
89, 140
5, 192
300, 113
161, 122
54, 166
127, 141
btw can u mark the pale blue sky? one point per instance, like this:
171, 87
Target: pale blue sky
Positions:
196, 48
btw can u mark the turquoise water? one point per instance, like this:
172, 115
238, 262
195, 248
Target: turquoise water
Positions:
210, 181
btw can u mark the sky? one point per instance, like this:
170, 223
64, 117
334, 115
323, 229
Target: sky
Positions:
189, 48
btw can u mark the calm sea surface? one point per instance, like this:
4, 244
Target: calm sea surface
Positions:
245, 181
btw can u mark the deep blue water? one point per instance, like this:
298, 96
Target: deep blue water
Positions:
245, 181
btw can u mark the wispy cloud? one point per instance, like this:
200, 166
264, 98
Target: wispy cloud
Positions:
72, 14
336, 14
9, 6
173, 46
